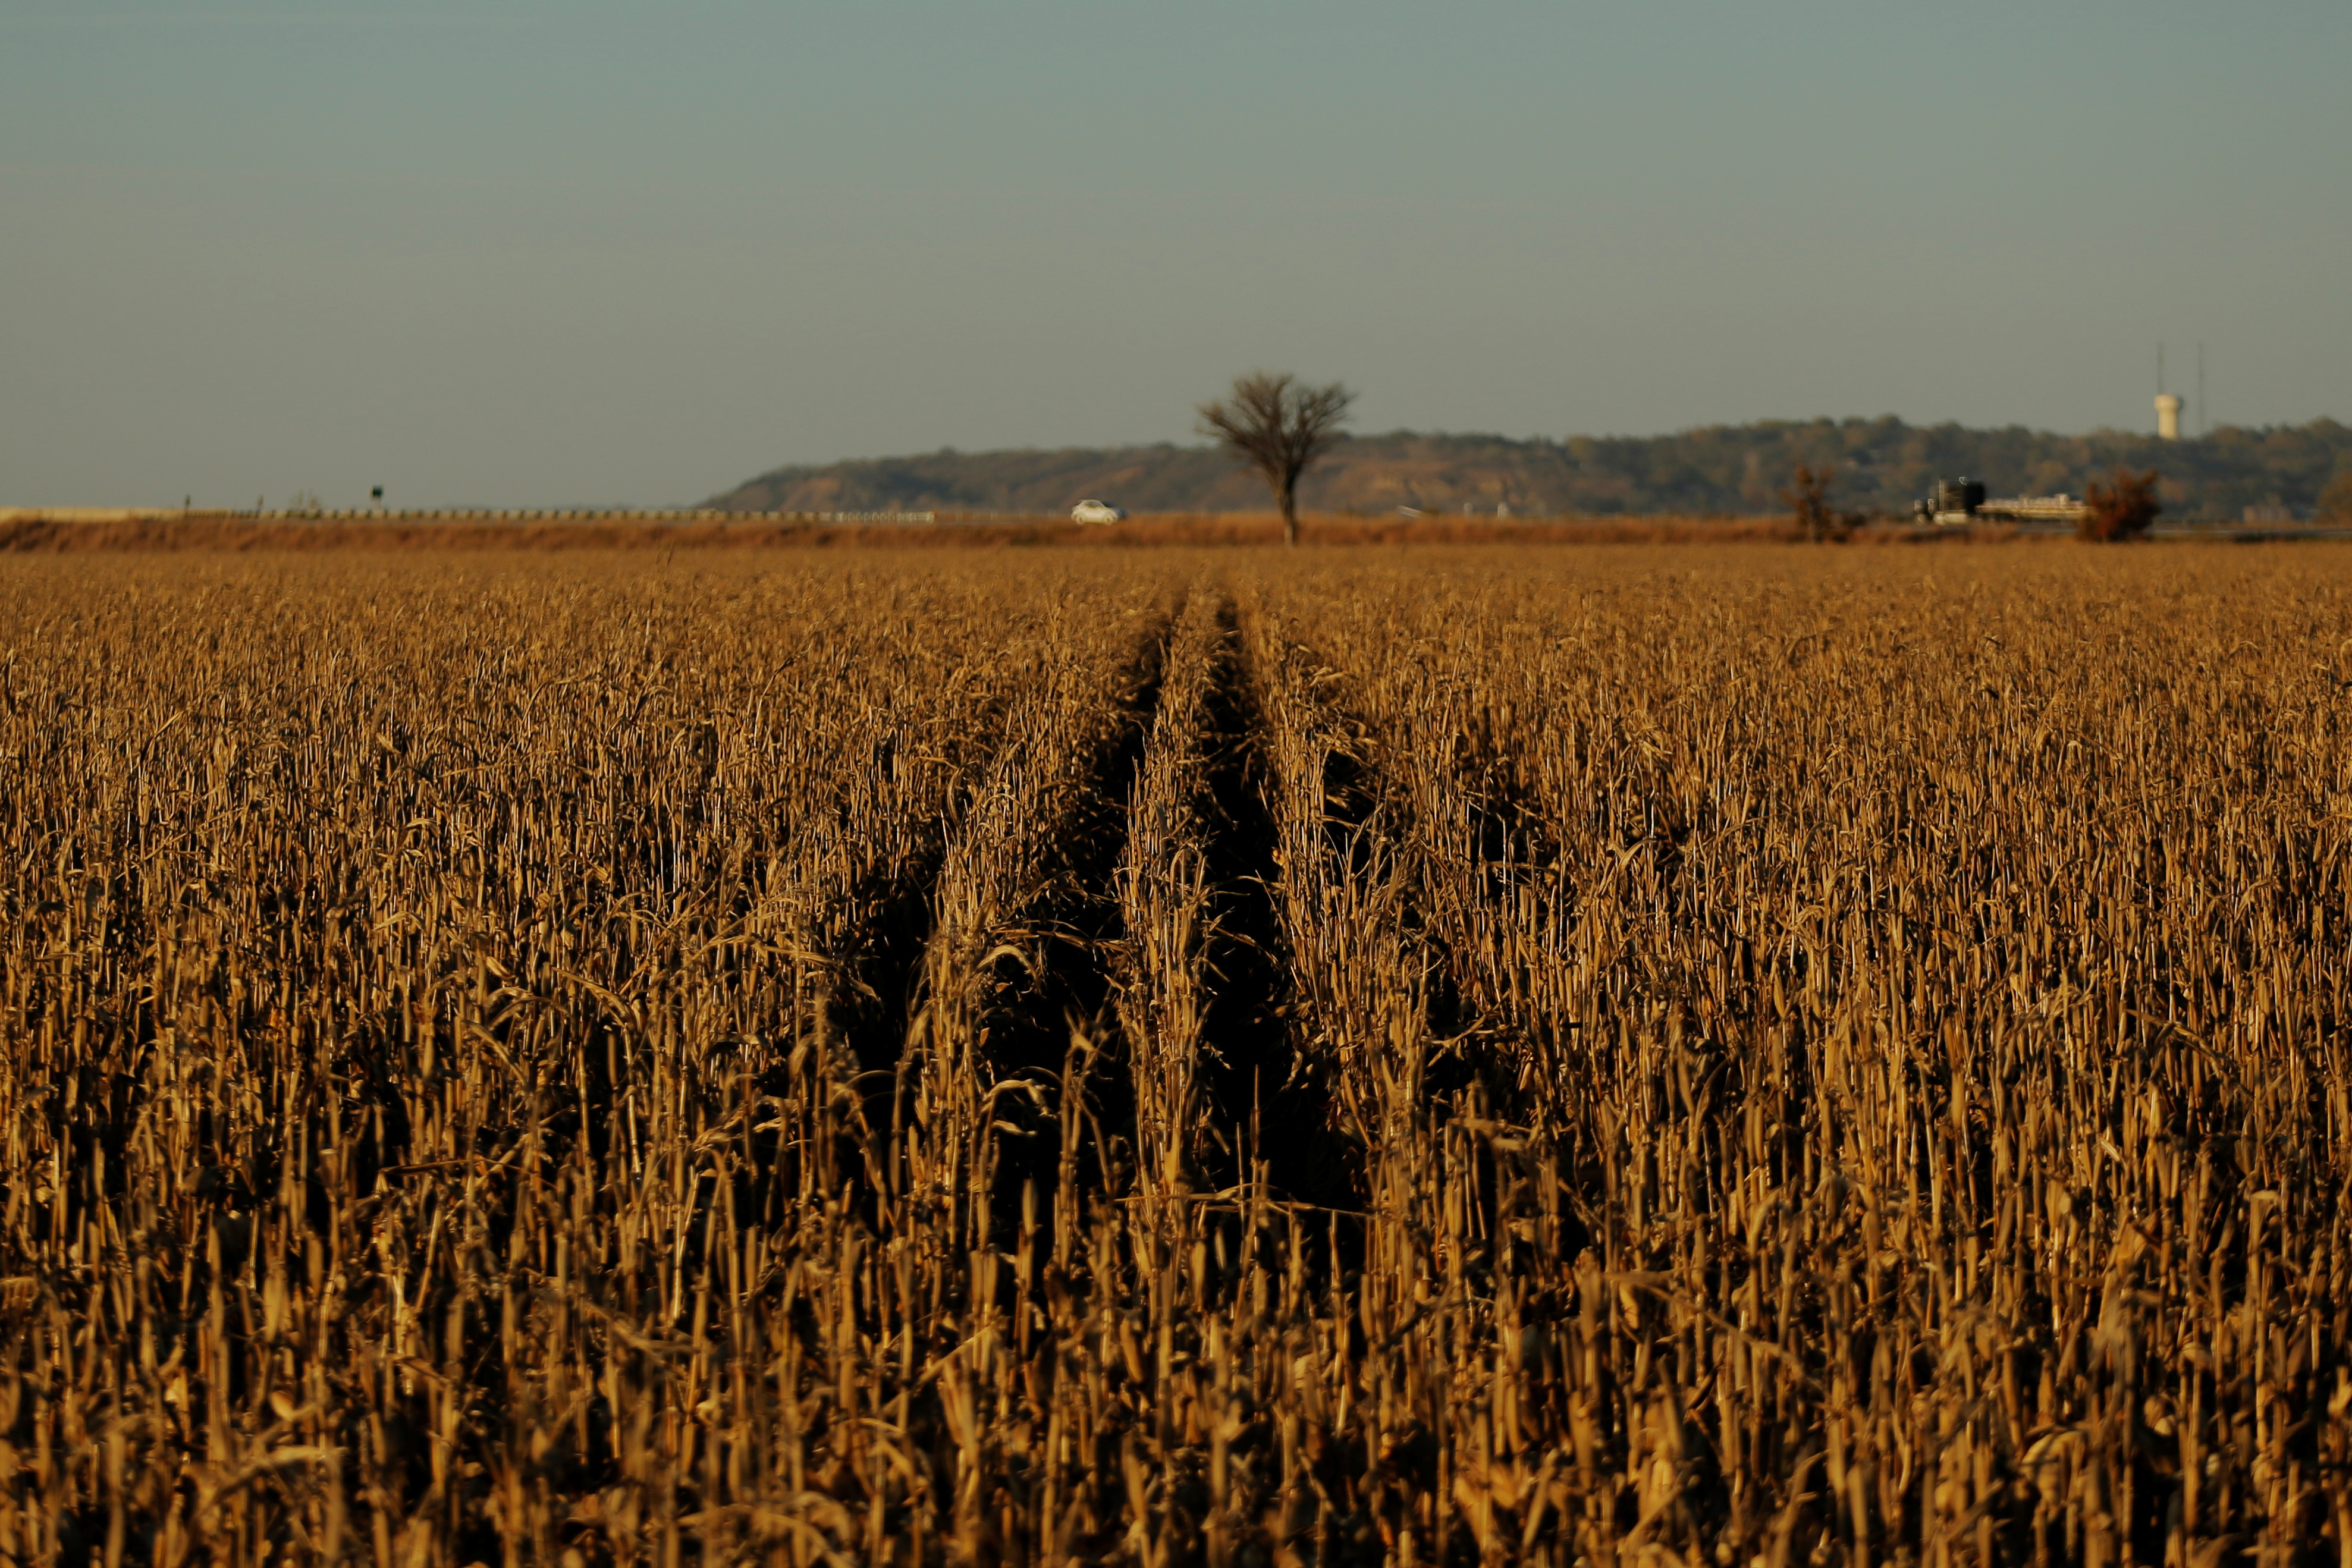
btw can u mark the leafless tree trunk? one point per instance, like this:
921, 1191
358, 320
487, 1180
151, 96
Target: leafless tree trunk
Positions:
1279, 426
1807, 497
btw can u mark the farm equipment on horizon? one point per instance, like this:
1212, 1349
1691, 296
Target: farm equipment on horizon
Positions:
1958, 502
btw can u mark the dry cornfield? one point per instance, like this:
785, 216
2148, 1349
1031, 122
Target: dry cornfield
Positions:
1648, 1058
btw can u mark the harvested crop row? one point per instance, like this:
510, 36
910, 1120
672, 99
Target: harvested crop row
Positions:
1432, 1426
990, 951
412, 981
1165, 905
1934, 988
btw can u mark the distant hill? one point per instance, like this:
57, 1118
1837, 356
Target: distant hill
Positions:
1882, 465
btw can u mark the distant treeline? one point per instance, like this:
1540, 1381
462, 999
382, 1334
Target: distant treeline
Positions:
1883, 465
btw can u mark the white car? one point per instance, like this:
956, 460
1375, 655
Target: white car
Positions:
1097, 512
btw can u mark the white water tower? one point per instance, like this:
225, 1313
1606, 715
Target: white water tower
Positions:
2167, 417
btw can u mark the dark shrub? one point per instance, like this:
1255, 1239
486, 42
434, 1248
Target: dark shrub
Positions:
2120, 508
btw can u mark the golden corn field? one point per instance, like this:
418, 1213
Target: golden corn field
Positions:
1647, 1057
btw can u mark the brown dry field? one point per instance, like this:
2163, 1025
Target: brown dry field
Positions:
1651, 1057
216, 531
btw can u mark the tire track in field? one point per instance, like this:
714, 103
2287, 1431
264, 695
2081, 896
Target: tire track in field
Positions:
1065, 987
1328, 875
999, 1070
872, 1013
881, 983
1357, 858
1261, 1101
1223, 1093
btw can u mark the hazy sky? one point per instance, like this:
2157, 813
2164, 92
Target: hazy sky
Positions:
534, 254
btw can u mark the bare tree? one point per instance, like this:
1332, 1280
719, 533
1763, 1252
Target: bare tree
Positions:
1279, 426
1808, 496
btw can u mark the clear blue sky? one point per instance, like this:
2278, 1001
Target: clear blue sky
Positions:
535, 254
